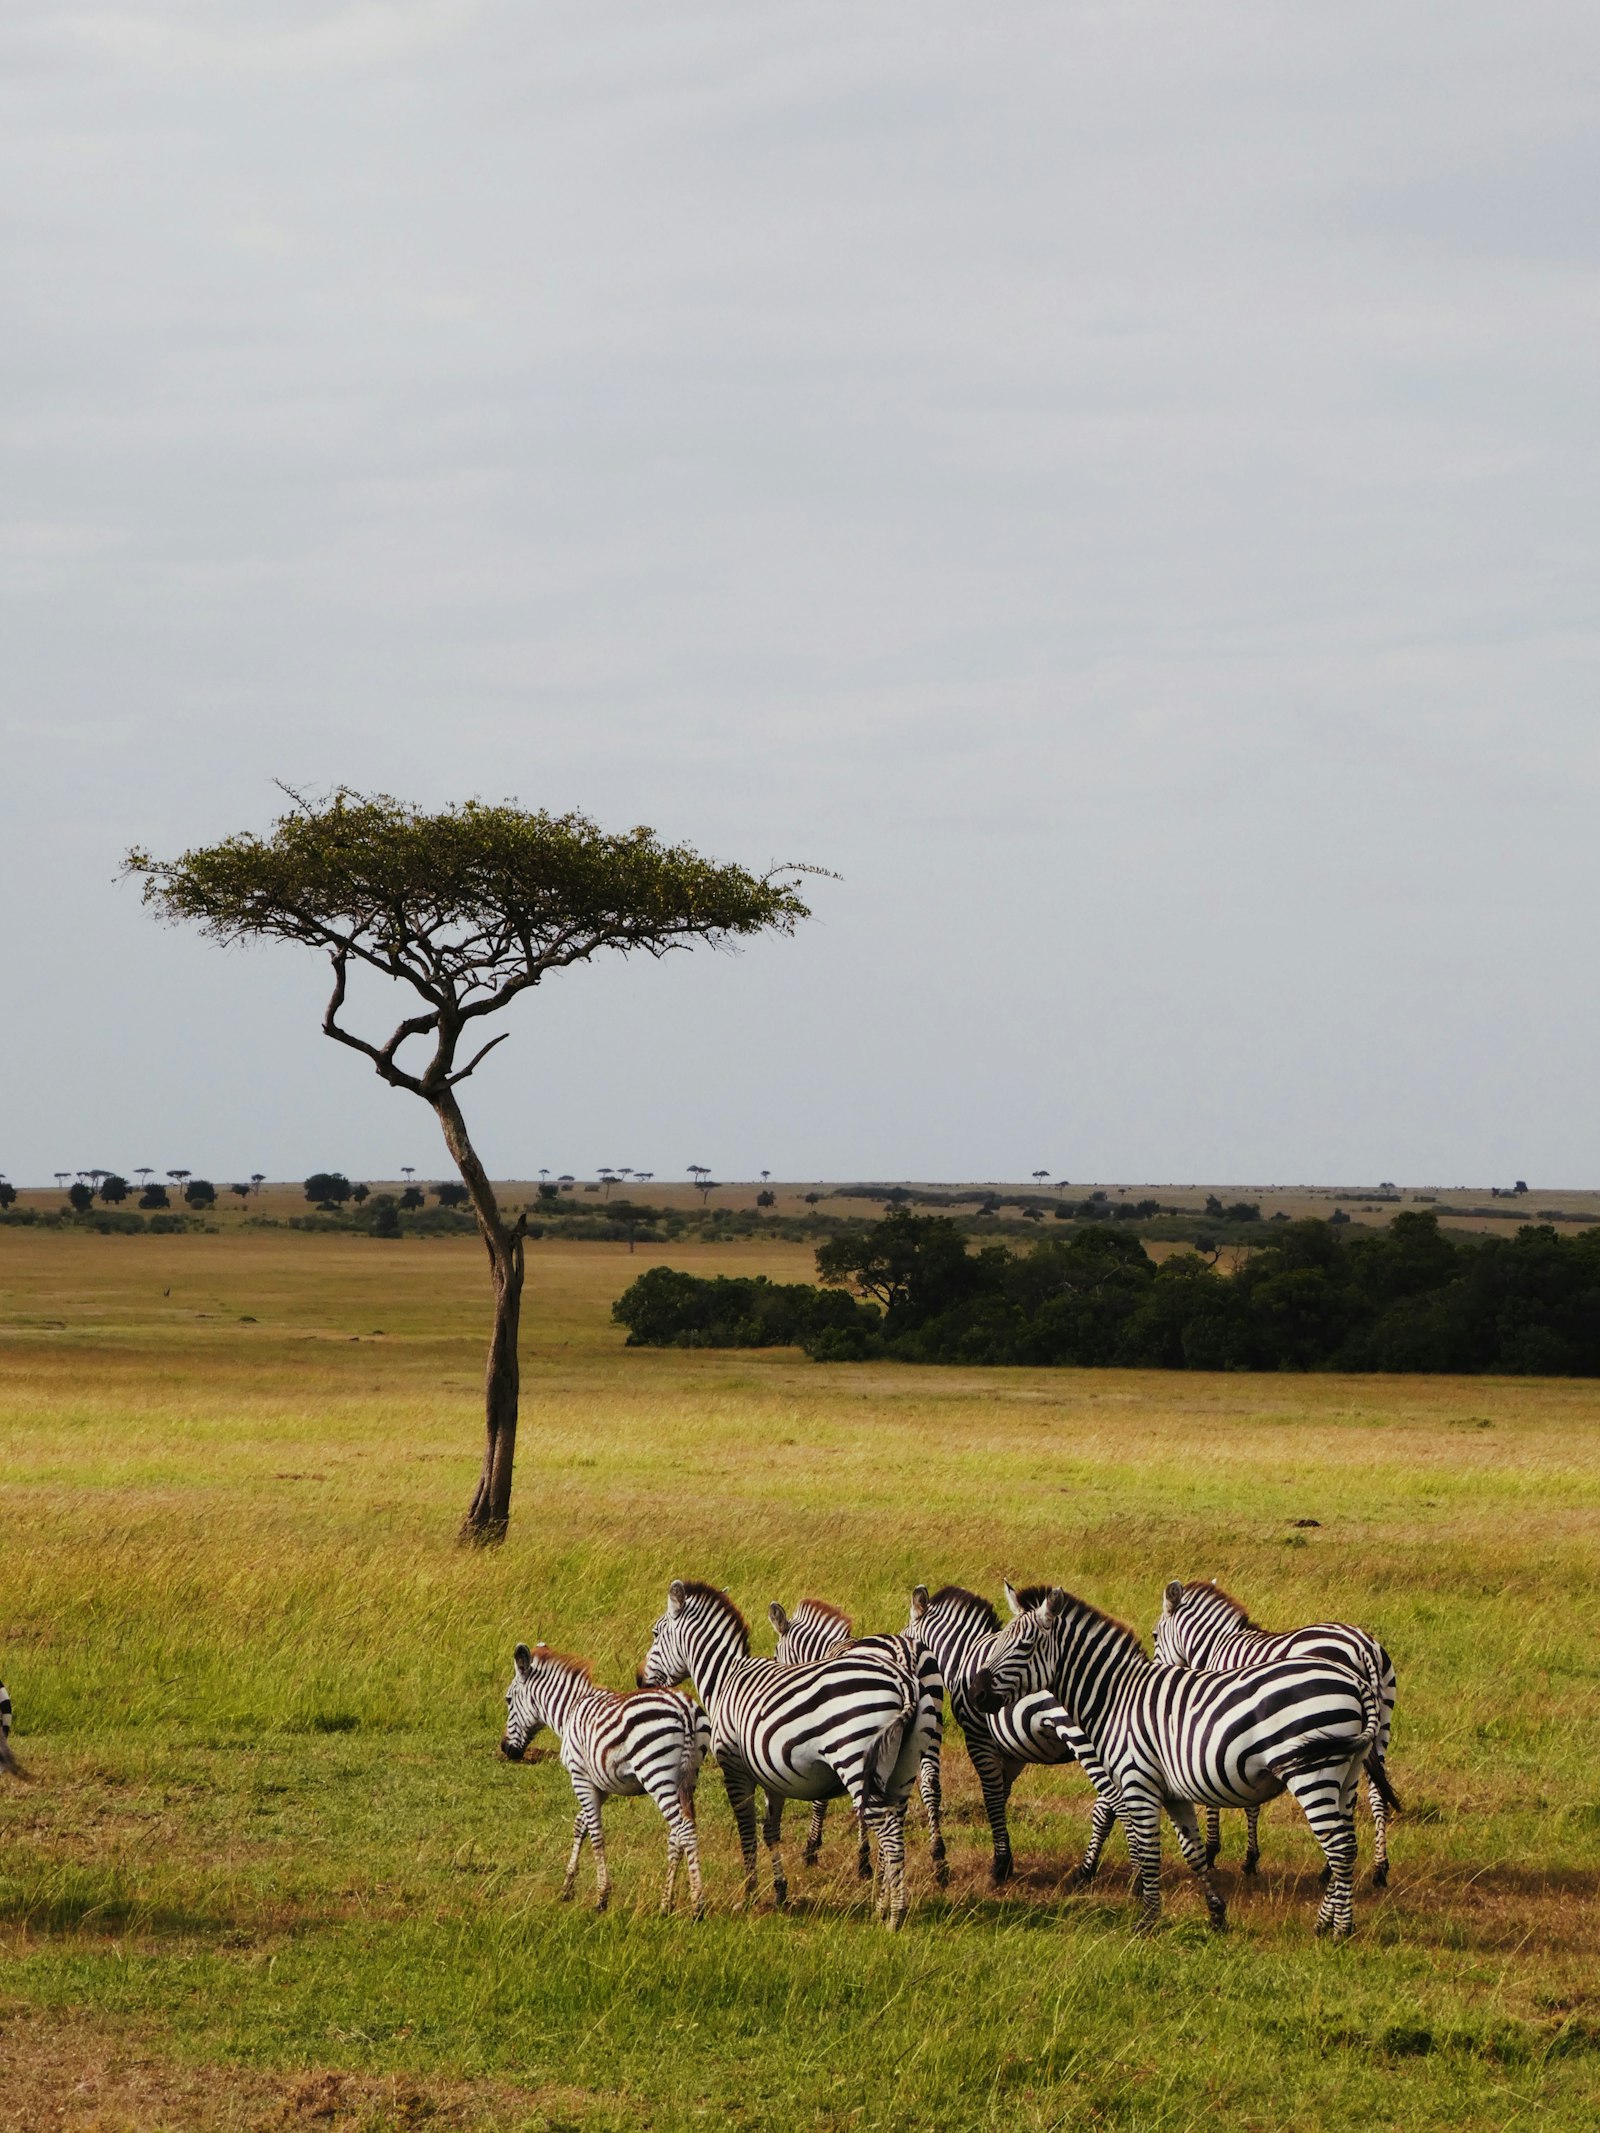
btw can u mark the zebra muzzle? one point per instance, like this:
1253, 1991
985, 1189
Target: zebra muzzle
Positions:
513, 1752
983, 1692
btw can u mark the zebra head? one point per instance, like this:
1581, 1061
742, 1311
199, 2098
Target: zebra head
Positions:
701, 1635
667, 1664
525, 1712
1191, 1618
814, 1631
1020, 1656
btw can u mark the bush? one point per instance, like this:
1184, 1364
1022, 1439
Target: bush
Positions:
1312, 1298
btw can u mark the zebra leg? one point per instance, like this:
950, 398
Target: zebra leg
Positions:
672, 1875
819, 1815
1197, 1852
580, 1829
1101, 1824
597, 1844
772, 1831
1252, 1847
1380, 1836
890, 1823
1324, 1800
928, 1784
741, 1790
987, 1761
1141, 1825
863, 1848
1213, 1835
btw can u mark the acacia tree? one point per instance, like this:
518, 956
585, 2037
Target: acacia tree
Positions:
468, 907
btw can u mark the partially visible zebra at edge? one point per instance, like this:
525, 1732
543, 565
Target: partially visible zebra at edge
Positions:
7, 1760
653, 1741
1202, 1626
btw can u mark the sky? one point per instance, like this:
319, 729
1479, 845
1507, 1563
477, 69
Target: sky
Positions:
1114, 483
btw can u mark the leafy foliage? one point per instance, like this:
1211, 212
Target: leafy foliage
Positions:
328, 1188
1410, 1298
668, 1309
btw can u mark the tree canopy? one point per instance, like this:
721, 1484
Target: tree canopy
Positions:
469, 905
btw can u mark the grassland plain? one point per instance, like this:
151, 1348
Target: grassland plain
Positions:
268, 1870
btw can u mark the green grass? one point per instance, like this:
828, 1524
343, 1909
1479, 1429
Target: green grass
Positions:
258, 1692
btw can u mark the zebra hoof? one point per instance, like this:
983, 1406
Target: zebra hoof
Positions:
1219, 1918
780, 1894
1002, 1869
941, 1873
1252, 1863
809, 1856
1084, 1874
1380, 1874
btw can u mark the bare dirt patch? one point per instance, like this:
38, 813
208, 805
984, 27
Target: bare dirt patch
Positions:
64, 2072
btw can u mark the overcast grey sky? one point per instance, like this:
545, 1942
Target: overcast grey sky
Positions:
1117, 482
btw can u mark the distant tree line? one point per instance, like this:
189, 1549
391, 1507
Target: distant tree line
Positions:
1313, 1297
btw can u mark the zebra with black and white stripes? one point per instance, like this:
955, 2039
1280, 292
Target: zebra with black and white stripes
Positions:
1170, 1737
1202, 1626
960, 1627
7, 1760
652, 1740
855, 1723
817, 1630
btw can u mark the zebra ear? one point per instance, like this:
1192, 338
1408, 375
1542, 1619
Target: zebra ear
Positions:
524, 1659
1171, 1596
778, 1619
1012, 1601
675, 1597
919, 1602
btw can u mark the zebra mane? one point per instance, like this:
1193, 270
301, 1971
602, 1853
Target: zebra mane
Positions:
1031, 1595
1210, 1585
697, 1589
564, 1663
1098, 1614
972, 1599
823, 1610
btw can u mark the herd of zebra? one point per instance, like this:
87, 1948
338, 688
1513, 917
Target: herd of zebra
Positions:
1226, 1715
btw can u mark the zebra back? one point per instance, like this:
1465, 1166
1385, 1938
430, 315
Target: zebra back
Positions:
1203, 1626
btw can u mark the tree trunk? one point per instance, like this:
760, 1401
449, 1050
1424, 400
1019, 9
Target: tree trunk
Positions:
489, 1513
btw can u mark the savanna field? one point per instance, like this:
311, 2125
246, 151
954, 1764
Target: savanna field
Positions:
267, 1869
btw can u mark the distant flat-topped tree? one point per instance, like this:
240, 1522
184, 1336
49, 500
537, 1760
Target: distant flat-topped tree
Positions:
469, 907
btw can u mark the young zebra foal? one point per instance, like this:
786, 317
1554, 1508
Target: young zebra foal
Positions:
652, 1741
1203, 1626
1170, 1737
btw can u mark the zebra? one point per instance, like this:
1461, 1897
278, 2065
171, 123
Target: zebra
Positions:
1171, 1737
959, 1628
855, 1723
7, 1760
1202, 1626
653, 1741
817, 1630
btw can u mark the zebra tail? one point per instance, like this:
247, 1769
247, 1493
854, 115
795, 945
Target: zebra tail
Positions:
1380, 1779
885, 1752
1322, 1752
